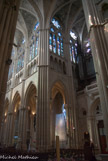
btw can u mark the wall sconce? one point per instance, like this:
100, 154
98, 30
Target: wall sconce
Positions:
73, 128
8, 61
33, 113
5, 114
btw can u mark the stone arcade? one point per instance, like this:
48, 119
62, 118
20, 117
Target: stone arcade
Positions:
53, 73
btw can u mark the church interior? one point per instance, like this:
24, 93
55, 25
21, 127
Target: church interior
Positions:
54, 75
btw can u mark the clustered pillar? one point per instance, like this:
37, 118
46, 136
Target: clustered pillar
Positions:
99, 48
8, 19
43, 104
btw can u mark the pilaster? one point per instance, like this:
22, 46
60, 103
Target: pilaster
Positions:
43, 104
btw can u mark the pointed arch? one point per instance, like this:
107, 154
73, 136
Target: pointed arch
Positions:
58, 86
16, 101
6, 106
30, 94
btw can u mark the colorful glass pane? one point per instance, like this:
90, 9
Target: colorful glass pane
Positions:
36, 26
61, 47
52, 30
55, 23
59, 34
50, 42
58, 45
23, 41
36, 49
54, 43
73, 35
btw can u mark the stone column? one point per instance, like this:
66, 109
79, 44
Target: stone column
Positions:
24, 133
71, 100
99, 48
9, 18
23, 109
8, 129
92, 128
20, 127
11, 127
43, 104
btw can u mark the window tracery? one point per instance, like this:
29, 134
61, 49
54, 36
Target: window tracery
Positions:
56, 38
34, 43
20, 62
73, 47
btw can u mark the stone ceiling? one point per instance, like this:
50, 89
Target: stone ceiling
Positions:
68, 12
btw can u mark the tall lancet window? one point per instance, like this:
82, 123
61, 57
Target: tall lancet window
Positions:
50, 42
73, 47
36, 48
56, 38
20, 62
54, 43
58, 44
33, 48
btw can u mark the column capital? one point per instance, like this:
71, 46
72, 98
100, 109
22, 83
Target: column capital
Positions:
97, 25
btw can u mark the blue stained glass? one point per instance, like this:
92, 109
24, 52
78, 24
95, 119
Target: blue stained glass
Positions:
50, 42
88, 50
23, 41
36, 26
55, 23
54, 43
33, 50
75, 51
58, 45
61, 46
36, 49
52, 30
59, 34
70, 41
73, 35
10, 72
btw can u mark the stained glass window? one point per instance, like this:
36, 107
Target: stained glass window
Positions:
73, 54
11, 69
55, 23
32, 51
61, 47
20, 63
52, 30
55, 38
59, 34
23, 41
36, 26
58, 44
50, 42
54, 43
73, 35
36, 49
88, 50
